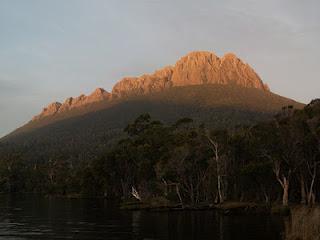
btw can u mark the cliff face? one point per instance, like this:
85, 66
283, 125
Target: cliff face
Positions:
51, 109
145, 84
196, 68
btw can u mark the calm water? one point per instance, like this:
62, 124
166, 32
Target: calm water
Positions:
34, 217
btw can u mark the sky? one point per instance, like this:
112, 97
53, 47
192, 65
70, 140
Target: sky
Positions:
54, 49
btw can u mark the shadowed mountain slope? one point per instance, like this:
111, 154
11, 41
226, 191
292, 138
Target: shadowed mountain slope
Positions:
214, 105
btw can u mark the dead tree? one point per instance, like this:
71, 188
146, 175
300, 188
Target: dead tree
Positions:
219, 168
313, 173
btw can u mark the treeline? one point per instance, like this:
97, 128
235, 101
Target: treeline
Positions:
186, 163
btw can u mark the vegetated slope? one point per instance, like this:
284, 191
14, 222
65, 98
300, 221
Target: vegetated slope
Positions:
84, 130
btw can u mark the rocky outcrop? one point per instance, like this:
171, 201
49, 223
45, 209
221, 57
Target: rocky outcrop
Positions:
147, 83
196, 68
233, 70
51, 109
71, 103
98, 95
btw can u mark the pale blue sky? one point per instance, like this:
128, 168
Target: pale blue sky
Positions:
53, 49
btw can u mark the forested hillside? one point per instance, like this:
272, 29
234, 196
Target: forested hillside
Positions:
186, 162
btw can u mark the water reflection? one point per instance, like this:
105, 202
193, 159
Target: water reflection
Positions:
35, 217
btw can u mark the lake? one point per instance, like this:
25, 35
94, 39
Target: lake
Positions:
36, 217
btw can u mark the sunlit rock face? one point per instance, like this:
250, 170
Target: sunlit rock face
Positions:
51, 109
144, 84
71, 103
196, 68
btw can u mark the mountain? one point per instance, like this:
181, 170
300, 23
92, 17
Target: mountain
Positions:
197, 68
220, 92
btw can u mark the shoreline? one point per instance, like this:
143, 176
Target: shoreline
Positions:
227, 208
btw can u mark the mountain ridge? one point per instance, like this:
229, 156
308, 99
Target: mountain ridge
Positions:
196, 68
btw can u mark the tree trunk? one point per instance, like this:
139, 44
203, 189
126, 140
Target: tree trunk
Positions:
215, 148
311, 195
221, 198
220, 190
192, 194
285, 198
265, 194
303, 191
284, 182
165, 188
179, 195
311, 199
125, 189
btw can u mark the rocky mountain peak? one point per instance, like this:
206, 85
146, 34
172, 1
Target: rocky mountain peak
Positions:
196, 68
98, 92
98, 95
230, 56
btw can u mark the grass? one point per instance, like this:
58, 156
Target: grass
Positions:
304, 224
